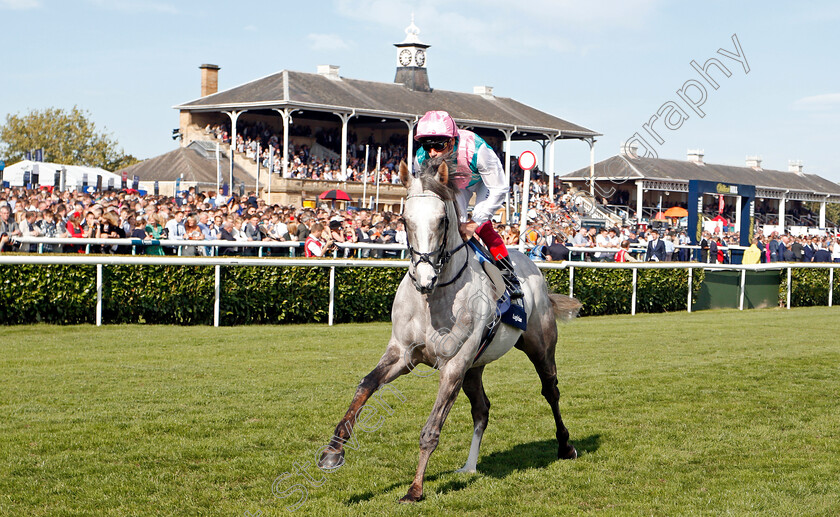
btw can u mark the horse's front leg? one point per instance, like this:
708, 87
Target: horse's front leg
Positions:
451, 379
390, 366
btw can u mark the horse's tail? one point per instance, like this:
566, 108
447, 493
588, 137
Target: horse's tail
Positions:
565, 307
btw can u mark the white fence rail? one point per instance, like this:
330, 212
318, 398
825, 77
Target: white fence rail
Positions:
100, 261
294, 247
140, 244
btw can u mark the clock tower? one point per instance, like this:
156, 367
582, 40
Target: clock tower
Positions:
411, 61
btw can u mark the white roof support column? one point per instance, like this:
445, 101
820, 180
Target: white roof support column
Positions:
543, 144
234, 116
822, 212
286, 116
591, 142
552, 139
508, 133
640, 195
410, 155
345, 117
782, 212
738, 201
287, 122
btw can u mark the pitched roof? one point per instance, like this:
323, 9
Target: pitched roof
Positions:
626, 167
318, 92
188, 161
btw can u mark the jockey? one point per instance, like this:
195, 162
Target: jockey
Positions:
477, 171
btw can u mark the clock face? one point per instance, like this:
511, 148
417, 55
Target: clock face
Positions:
405, 57
420, 57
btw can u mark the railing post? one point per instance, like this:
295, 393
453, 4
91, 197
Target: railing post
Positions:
633, 299
217, 291
830, 285
99, 295
690, 287
572, 281
788, 288
743, 288
332, 295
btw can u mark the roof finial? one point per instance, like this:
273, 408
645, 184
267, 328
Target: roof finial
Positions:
411, 32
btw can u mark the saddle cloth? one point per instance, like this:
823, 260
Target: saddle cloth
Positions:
506, 312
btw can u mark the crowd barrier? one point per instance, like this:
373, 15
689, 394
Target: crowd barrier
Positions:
101, 261
295, 248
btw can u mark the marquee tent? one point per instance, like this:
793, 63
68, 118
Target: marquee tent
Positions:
47, 174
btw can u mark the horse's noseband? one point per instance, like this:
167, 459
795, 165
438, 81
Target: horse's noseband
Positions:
443, 255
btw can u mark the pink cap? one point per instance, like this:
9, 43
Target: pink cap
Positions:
436, 123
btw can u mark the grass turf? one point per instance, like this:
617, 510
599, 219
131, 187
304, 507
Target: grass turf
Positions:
716, 412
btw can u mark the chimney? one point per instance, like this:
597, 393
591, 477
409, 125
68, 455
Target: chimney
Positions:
329, 71
754, 162
629, 150
695, 156
484, 91
209, 79
795, 166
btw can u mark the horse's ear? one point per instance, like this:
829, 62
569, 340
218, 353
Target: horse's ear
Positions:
443, 173
405, 176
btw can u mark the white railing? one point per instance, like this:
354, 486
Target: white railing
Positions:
105, 260
293, 246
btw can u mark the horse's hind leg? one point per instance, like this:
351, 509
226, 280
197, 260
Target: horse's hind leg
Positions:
539, 347
474, 389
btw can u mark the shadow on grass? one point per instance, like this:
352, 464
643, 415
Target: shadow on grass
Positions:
533, 455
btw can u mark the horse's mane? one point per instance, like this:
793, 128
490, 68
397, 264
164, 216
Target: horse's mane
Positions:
428, 177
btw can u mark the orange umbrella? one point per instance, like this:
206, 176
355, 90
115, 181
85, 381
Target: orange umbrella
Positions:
659, 215
676, 211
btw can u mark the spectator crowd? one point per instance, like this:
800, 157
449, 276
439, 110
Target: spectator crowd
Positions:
258, 142
554, 227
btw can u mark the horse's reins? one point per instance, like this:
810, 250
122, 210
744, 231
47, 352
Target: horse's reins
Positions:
444, 255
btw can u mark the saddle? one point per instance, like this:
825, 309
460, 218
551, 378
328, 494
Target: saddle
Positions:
512, 314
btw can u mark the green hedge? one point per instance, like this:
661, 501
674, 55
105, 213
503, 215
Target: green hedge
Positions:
810, 287
610, 291
259, 295
184, 295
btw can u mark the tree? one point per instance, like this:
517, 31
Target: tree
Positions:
832, 212
67, 136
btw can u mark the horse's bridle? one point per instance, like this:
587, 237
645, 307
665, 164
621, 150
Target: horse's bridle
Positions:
443, 255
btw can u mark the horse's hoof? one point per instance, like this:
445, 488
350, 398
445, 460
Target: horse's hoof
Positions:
410, 497
465, 470
569, 454
331, 460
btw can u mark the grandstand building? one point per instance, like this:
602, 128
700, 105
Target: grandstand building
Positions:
330, 113
635, 189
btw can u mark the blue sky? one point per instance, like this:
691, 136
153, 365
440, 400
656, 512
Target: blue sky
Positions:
605, 64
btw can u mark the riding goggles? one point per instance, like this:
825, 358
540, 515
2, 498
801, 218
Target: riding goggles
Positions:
436, 145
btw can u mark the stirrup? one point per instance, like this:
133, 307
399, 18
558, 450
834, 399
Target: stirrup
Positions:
512, 283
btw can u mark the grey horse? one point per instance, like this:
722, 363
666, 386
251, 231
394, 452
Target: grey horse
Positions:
440, 310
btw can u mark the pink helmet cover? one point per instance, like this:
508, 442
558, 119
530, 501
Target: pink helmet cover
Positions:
436, 123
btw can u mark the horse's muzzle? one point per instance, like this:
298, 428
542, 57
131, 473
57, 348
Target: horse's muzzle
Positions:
427, 288
425, 279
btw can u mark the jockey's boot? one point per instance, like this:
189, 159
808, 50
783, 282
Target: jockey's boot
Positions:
510, 278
